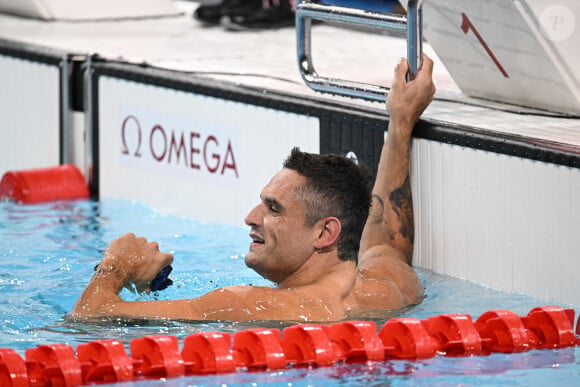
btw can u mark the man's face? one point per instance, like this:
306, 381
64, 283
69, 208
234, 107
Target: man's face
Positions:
281, 242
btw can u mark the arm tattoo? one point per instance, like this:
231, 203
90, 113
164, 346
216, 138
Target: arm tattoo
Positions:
402, 205
376, 215
112, 269
379, 216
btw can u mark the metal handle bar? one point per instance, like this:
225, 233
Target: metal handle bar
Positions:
368, 20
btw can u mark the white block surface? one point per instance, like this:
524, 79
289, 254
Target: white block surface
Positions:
29, 114
88, 9
505, 222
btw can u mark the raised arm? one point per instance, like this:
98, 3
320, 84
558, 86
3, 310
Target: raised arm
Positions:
390, 223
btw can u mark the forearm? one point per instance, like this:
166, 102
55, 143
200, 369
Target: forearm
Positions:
391, 221
391, 217
102, 292
393, 169
101, 299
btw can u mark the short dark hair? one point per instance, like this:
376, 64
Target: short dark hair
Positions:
336, 186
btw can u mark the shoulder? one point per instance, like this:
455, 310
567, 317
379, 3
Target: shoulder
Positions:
383, 262
383, 267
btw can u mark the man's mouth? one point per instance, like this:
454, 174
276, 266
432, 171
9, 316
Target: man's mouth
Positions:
256, 239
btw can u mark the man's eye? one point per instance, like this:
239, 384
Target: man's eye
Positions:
272, 206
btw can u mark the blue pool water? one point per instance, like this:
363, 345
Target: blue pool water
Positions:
47, 254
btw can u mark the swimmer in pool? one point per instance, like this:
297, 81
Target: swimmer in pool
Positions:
335, 249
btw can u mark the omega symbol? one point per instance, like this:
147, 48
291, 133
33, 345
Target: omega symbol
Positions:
136, 126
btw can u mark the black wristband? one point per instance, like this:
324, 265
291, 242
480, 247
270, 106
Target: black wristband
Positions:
161, 281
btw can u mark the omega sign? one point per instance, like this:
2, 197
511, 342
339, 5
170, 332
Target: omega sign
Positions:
170, 147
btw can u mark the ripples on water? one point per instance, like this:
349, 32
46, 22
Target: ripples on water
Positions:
48, 251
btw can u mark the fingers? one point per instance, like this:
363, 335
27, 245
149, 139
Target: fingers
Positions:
399, 81
426, 67
401, 70
425, 75
168, 258
129, 247
140, 241
423, 81
406, 101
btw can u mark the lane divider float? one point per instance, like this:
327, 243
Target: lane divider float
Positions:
261, 349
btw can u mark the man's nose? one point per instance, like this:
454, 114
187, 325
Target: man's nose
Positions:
253, 217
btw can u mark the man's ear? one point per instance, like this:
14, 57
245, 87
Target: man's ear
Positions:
329, 231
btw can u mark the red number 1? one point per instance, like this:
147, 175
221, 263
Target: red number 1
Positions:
465, 26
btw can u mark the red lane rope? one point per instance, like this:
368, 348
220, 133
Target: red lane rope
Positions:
158, 356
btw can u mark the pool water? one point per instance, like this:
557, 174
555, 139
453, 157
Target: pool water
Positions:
47, 255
